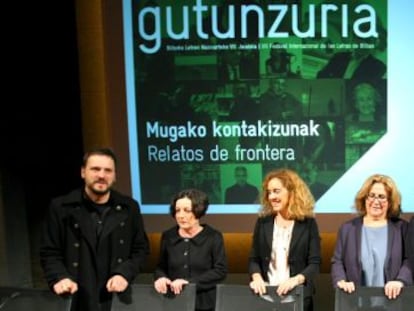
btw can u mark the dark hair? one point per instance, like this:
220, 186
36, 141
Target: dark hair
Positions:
99, 151
199, 201
240, 168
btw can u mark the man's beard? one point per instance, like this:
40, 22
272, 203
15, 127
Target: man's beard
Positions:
99, 191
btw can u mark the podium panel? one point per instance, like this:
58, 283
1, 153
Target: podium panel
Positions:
373, 299
241, 298
144, 297
32, 299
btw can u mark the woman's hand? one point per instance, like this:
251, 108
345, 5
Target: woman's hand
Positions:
178, 285
393, 289
161, 285
290, 284
257, 284
348, 287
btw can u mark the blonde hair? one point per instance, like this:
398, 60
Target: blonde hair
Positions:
301, 202
393, 194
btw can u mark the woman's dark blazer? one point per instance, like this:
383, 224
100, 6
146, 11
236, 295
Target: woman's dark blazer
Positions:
410, 244
346, 261
304, 252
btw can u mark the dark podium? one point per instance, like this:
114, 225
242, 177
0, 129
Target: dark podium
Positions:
32, 299
144, 297
241, 298
373, 299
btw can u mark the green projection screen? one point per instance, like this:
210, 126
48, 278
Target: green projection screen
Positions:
221, 92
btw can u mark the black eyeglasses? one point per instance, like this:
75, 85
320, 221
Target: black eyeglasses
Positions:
379, 197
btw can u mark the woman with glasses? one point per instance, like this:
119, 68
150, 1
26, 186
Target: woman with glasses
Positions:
369, 249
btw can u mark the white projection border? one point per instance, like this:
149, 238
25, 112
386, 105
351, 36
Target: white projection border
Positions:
392, 155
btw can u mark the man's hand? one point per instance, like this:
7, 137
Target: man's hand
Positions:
65, 286
116, 284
